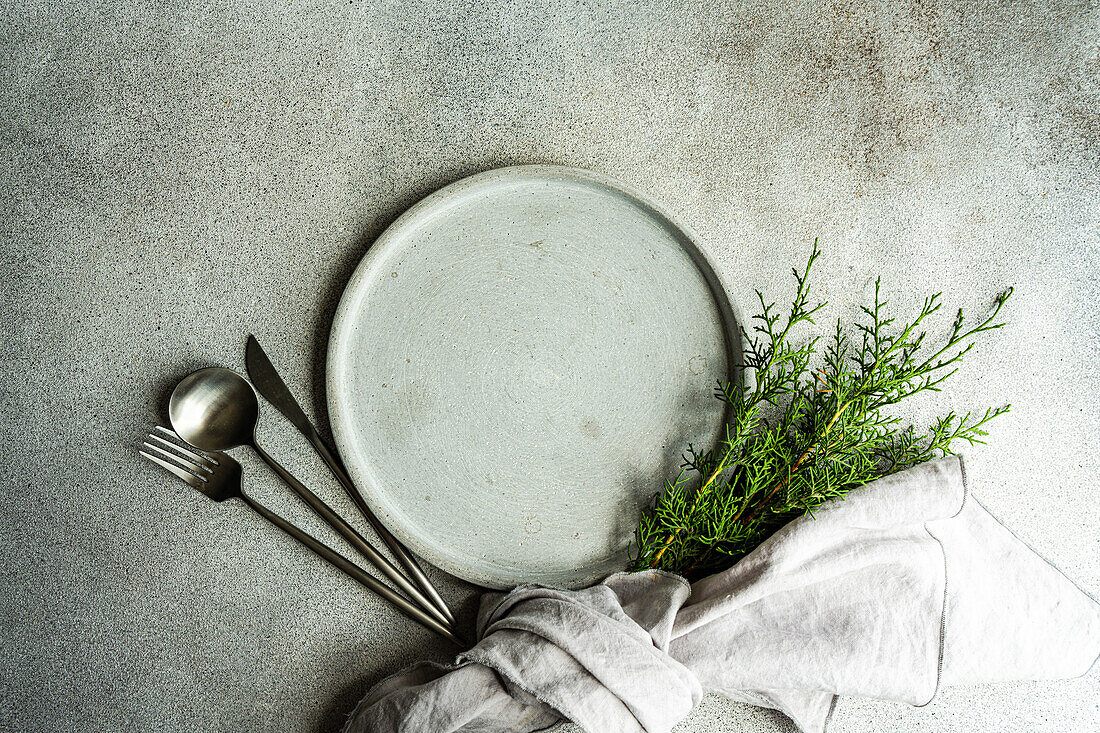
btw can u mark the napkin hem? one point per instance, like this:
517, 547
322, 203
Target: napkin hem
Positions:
946, 582
829, 715
1042, 557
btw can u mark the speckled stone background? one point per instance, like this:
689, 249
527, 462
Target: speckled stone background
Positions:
175, 175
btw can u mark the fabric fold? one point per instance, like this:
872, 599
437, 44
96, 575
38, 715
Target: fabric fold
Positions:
905, 586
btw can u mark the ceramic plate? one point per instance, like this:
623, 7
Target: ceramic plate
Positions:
517, 365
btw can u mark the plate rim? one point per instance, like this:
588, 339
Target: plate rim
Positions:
730, 317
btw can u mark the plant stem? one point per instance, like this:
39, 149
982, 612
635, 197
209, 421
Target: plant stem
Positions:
794, 469
694, 503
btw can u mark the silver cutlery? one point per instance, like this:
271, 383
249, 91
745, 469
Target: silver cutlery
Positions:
219, 477
216, 409
272, 387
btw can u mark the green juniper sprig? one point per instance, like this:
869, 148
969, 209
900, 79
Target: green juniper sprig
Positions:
798, 435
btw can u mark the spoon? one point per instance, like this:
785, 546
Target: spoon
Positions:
216, 409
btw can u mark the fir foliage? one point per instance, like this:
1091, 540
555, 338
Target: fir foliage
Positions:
808, 425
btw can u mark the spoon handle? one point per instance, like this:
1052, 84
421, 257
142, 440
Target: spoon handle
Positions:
353, 538
403, 604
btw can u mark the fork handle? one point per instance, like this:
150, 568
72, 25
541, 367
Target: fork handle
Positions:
353, 538
403, 604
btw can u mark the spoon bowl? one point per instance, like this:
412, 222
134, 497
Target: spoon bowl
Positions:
214, 409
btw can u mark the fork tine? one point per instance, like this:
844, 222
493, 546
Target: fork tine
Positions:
198, 469
190, 478
191, 456
182, 445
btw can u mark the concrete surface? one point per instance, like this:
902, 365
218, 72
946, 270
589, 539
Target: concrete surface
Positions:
177, 175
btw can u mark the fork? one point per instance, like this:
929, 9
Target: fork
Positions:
219, 477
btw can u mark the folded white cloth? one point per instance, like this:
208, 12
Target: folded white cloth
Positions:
905, 586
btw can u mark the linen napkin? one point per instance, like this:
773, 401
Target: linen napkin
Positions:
905, 586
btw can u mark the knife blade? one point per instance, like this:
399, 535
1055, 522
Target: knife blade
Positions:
269, 384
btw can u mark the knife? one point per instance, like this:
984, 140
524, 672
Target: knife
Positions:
269, 384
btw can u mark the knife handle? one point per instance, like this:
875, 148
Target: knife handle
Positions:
353, 538
404, 557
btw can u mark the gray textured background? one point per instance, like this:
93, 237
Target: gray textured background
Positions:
174, 176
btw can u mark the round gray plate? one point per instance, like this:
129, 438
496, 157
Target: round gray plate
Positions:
517, 365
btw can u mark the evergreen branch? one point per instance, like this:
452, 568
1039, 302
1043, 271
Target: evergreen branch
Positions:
826, 433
